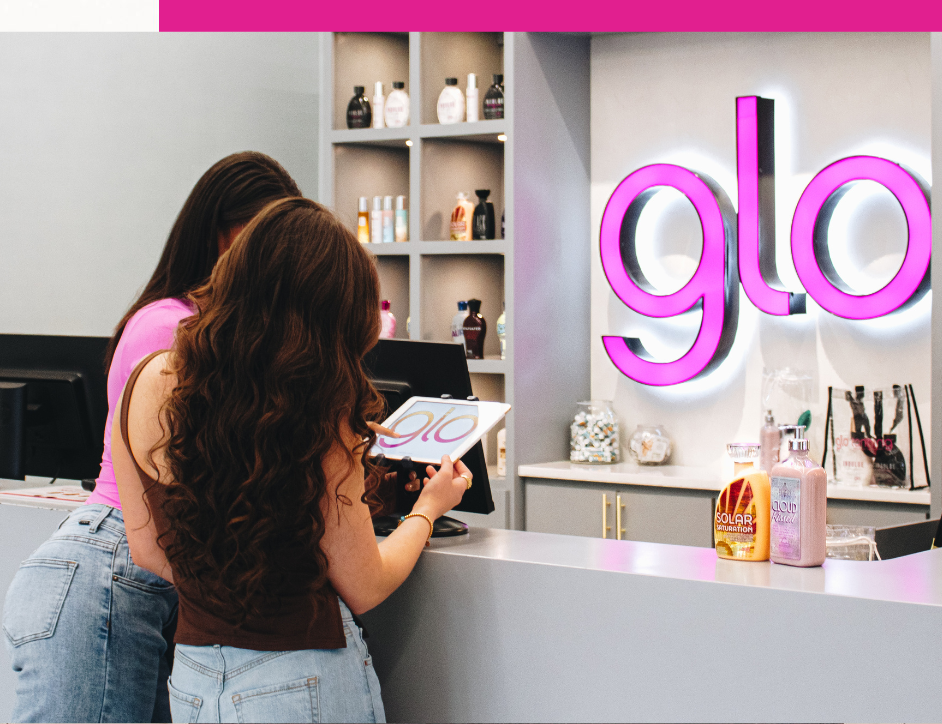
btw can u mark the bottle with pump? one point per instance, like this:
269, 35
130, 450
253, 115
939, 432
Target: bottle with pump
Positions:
402, 219
379, 100
396, 112
741, 520
475, 329
359, 113
389, 235
770, 438
387, 320
472, 98
376, 221
798, 530
502, 331
482, 223
363, 221
494, 99
451, 103
457, 324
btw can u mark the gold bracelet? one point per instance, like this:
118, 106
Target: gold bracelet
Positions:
431, 527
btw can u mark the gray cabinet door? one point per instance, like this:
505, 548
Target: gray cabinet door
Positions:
655, 515
569, 509
659, 515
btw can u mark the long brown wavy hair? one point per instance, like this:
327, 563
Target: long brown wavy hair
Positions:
268, 372
228, 195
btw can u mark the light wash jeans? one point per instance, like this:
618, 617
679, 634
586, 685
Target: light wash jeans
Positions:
86, 629
226, 684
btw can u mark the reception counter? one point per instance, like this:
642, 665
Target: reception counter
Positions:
516, 626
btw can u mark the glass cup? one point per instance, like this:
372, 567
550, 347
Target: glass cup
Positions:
594, 434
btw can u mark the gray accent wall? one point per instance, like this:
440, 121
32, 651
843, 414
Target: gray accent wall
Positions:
102, 136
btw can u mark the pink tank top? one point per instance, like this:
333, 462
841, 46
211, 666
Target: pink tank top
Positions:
152, 328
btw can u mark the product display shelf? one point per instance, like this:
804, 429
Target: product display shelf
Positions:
535, 166
479, 131
392, 137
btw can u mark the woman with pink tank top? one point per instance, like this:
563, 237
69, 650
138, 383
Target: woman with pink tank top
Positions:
88, 631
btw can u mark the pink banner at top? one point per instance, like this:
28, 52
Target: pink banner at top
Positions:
547, 15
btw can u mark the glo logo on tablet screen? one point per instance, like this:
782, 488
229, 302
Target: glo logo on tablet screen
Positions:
430, 430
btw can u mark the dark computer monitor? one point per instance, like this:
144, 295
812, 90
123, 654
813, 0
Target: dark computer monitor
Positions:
53, 405
401, 369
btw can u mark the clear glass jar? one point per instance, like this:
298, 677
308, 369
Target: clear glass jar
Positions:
594, 434
650, 445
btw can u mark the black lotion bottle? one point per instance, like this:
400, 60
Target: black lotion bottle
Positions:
482, 223
359, 112
494, 99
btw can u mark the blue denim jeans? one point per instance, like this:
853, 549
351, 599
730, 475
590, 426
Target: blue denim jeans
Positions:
87, 630
226, 684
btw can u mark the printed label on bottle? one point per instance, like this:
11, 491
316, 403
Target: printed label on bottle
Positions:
735, 512
785, 540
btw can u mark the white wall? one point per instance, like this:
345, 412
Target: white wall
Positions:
671, 98
102, 136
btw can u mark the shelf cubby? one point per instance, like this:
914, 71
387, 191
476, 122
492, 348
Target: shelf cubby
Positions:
450, 166
454, 55
363, 59
446, 280
394, 286
362, 170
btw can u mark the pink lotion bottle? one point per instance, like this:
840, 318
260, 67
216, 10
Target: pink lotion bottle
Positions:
387, 319
798, 529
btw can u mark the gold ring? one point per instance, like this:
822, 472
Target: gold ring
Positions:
468, 479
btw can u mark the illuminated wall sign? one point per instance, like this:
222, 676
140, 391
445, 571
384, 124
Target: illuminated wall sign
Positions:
724, 263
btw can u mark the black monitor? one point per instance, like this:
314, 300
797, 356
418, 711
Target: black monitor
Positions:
53, 406
401, 369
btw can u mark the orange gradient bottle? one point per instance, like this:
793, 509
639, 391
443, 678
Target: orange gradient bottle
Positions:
741, 519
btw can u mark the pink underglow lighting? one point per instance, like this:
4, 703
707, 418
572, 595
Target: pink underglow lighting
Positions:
708, 285
749, 237
809, 239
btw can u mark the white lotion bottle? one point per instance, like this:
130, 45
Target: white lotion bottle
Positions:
472, 98
379, 102
451, 103
397, 106
770, 442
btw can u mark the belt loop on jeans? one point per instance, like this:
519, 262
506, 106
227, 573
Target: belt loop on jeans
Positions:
97, 520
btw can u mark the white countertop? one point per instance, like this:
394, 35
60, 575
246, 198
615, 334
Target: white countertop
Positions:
913, 579
694, 478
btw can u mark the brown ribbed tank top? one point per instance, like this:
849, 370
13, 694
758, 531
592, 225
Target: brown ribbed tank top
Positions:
298, 623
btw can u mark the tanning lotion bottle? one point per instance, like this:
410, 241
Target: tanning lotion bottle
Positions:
457, 324
502, 331
388, 220
472, 97
379, 100
396, 111
359, 113
363, 221
770, 439
494, 99
387, 320
482, 222
741, 520
376, 221
798, 530
475, 329
461, 218
451, 103
402, 219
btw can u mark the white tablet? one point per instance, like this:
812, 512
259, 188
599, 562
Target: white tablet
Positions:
431, 427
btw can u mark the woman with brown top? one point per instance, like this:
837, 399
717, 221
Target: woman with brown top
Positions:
241, 458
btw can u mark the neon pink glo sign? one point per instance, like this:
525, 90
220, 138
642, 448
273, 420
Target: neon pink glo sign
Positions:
714, 287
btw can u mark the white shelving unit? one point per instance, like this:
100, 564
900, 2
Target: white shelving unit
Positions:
538, 178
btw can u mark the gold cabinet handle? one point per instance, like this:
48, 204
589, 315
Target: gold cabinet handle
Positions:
618, 508
605, 526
